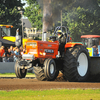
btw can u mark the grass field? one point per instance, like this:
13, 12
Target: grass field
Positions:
60, 94
13, 75
64, 94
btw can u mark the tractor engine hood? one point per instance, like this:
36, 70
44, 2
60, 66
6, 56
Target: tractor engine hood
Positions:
42, 49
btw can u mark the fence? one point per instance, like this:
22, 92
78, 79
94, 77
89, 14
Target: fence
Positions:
7, 67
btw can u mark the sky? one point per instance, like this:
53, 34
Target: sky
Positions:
23, 1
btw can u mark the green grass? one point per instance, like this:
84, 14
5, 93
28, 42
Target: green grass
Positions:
13, 75
60, 94
64, 94
7, 73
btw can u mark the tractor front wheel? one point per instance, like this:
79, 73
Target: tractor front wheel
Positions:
20, 73
48, 72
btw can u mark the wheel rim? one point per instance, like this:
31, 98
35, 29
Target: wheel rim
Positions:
83, 64
51, 68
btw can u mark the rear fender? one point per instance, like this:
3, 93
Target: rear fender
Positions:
70, 44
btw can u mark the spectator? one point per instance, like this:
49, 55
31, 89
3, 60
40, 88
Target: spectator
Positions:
23, 52
11, 49
14, 49
2, 51
16, 54
9, 56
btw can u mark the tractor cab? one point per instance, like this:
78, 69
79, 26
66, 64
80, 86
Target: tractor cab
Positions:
92, 43
62, 36
5, 38
5, 34
5, 30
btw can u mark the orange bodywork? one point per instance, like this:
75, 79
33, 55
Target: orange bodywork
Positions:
42, 49
71, 44
7, 26
45, 49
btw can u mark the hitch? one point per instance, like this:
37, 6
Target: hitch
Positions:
24, 64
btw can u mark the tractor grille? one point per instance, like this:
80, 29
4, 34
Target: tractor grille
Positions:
31, 44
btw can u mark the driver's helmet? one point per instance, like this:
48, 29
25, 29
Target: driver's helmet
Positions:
59, 32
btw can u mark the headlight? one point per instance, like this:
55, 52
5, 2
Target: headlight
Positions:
28, 56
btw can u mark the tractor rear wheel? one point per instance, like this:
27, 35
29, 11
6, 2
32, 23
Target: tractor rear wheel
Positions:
48, 72
76, 64
20, 73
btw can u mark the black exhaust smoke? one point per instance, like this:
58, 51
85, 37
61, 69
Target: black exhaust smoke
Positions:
51, 12
52, 9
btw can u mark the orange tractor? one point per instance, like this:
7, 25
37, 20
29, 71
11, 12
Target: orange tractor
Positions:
58, 54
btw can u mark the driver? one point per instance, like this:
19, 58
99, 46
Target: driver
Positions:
62, 41
59, 32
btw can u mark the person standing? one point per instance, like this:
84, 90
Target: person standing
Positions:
8, 55
20, 50
11, 49
12, 52
17, 54
2, 51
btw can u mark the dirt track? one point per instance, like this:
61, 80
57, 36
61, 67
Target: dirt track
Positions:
34, 84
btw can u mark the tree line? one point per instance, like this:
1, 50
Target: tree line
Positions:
10, 14
80, 16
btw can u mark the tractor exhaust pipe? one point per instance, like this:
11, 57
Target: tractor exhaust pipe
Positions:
44, 36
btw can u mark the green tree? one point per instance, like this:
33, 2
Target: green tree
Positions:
81, 16
99, 2
9, 13
82, 19
33, 11
34, 14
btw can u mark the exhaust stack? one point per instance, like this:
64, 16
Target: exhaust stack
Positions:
44, 36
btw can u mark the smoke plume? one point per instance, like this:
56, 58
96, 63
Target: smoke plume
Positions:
52, 9
51, 12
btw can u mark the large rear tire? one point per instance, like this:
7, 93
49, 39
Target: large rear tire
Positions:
20, 73
48, 72
76, 64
